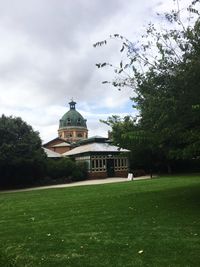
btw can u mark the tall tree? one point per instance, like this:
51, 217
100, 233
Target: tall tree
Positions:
166, 79
21, 155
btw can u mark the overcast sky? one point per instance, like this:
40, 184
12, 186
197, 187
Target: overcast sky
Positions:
47, 58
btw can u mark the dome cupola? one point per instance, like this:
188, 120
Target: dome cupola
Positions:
72, 125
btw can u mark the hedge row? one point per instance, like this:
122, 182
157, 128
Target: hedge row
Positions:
66, 168
22, 173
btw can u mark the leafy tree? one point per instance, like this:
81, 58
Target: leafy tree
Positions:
21, 155
127, 133
166, 79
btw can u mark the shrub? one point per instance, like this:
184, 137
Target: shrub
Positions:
66, 170
80, 171
59, 168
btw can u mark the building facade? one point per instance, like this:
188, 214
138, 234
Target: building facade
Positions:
58, 145
103, 159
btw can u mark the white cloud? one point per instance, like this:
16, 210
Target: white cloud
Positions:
47, 58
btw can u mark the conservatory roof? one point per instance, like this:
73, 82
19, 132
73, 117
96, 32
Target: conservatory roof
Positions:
94, 147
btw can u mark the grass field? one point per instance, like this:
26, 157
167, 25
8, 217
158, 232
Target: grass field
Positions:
141, 223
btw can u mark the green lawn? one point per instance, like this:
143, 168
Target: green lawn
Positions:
141, 223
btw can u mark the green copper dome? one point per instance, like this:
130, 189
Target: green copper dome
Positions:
72, 118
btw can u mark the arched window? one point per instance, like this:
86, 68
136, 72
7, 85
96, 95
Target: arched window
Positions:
68, 135
79, 135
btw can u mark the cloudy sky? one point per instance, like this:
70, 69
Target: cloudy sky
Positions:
47, 58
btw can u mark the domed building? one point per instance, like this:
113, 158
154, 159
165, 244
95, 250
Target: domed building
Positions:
72, 125
72, 129
103, 159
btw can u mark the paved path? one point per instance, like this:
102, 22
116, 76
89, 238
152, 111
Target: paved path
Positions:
87, 182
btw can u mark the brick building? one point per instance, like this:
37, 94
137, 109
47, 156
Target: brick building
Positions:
103, 158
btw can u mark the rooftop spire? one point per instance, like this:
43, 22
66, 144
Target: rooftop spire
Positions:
72, 104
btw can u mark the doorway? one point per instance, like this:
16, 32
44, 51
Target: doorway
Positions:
110, 168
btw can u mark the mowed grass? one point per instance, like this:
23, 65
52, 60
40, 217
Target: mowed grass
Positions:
141, 223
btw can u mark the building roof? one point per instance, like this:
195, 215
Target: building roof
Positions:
53, 140
63, 144
51, 154
94, 147
96, 138
72, 118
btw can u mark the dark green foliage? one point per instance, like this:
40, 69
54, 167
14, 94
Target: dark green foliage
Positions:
80, 171
127, 133
66, 170
60, 168
22, 160
166, 80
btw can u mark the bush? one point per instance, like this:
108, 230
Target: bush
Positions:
21, 173
66, 170
59, 168
80, 171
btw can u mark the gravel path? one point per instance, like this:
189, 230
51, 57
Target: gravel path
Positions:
87, 182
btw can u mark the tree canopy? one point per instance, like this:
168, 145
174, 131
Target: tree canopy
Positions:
165, 76
21, 154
